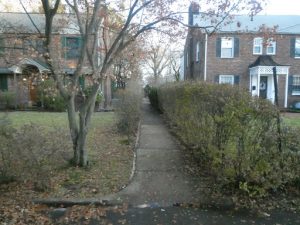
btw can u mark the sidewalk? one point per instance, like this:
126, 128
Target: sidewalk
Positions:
159, 178
160, 184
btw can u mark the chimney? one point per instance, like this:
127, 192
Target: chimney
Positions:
193, 9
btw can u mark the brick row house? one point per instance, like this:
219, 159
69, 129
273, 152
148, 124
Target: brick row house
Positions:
244, 52
22, 67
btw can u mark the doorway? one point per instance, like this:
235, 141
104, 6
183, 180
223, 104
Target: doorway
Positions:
263, 87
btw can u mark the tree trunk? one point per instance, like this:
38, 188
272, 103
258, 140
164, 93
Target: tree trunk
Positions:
107, 93
81, 152
79, 131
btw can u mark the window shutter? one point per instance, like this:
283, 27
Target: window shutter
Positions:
63, 47
236, 47
217, 79
292, 47
3, 83
218, 47
290, 85
2, 49
236, 79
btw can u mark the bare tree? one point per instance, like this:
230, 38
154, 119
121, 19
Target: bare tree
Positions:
157, 61
174, 65
136, 17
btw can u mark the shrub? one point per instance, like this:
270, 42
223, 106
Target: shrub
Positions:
32, 153
49, 96
233, 134
128, 108
7, 98
153, 97
6, 134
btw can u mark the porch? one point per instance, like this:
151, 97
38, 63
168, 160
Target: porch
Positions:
262, 80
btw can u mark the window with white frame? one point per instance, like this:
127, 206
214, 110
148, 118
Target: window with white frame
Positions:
271, 47
297, 48
227, 47
257, 46
226, 79
198, 51
296, 85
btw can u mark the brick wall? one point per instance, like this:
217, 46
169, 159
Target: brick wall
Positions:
239, 65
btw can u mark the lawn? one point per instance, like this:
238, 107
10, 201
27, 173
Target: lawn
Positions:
291, 119
53, 119
109, 169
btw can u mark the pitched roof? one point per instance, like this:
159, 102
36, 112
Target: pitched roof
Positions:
264, 60
4, 70
287, 24
21, 23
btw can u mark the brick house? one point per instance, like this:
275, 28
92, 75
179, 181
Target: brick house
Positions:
22, 67
239, 53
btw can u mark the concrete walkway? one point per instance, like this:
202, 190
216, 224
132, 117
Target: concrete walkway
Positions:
159, 178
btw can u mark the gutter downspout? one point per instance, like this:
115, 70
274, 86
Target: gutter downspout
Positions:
205, 59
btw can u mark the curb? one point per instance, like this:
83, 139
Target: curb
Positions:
69, 203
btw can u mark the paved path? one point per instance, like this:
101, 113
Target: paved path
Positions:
159, 178
159, 182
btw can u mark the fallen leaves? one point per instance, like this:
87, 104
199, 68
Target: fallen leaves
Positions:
110, 170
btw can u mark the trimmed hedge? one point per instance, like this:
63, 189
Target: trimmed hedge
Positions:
233, 134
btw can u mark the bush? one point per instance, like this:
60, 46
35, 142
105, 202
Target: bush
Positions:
50, 98
233, 134
153, 97
128, 108
7, 99
31, 153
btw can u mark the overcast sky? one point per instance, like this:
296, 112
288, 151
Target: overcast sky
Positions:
274, 7
282, 7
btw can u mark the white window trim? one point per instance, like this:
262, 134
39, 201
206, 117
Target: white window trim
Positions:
295, 92
272, 42
297, 57
257, 45
232, 48
224, 77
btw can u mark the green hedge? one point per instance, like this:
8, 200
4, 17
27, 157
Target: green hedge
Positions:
153, 97
233, 134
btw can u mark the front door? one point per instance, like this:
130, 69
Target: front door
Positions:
263, 87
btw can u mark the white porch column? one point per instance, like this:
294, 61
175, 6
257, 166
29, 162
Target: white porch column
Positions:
258, 81
250, 83
286, 88
16, 90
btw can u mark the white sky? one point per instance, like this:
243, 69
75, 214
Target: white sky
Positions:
282, 7
274, 7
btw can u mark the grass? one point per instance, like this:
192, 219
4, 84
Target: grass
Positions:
291, 119
53, 119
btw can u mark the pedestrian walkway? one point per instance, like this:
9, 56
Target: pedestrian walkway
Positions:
159, 178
